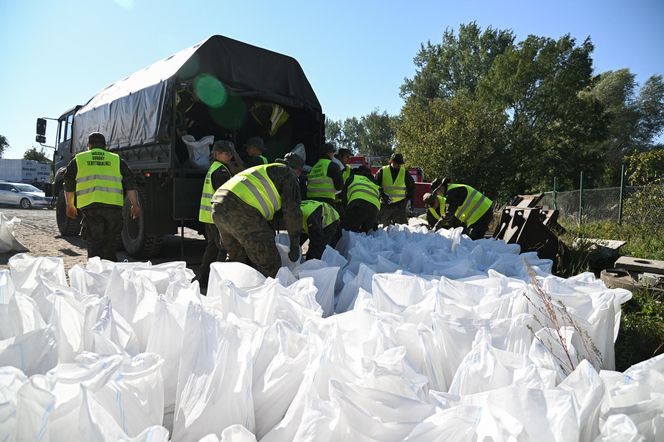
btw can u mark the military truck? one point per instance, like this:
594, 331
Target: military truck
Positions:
218, 89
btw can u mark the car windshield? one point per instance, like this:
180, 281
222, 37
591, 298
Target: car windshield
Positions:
27, 188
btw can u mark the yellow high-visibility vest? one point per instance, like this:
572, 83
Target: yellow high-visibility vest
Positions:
308, 207
362, 188
474, 206
319, 185
438, 213
395, 190
98, 178
205, 210
254, 187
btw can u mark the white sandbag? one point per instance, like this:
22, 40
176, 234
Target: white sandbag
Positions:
485, 368
588, 390
241, 275
8, 241
166, 339
133, 297
137, 382
454, 424
214, 378
10, 316
278, 371
352, 284
520, 413
619, 428
237, 433
34, 352
34, 405
368, 414
107, 333
87, 281
96, 423
11, 381
199, 150
324, 278
25, 270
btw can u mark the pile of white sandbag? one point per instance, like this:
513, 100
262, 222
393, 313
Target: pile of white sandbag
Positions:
435, 337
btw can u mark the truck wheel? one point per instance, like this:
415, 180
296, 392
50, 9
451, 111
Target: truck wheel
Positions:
136, 242
66, 226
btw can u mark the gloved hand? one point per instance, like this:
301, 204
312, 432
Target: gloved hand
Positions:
294, 253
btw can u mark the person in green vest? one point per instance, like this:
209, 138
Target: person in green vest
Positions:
361, 197
324, 180
435, 208
399, 186
243, 207
320, 224
94, 184
219, 172
254, 149
466, 207
341, 159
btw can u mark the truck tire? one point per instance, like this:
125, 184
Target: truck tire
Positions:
136, 242
66, 226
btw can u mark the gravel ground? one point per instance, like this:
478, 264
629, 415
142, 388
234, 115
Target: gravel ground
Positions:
38, 232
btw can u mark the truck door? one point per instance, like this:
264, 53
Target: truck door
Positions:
63, 153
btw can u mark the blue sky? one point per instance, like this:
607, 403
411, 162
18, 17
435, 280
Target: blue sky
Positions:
55, 54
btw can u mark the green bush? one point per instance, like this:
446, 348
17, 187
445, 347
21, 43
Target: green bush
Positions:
641, 333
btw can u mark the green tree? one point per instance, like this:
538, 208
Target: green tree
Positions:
377, 136
333, 131
501, 114
650, 105
4, 144
36, 155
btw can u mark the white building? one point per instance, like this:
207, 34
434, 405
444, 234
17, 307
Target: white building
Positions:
24, 171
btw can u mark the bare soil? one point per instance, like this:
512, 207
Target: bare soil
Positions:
38, 232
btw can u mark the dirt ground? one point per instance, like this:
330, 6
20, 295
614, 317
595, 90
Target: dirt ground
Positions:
38, 232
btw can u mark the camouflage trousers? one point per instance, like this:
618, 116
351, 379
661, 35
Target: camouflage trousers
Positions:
318, 240
101, 227
394, 213
246, 235
214, 251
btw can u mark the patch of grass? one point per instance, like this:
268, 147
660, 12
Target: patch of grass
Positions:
642, 241
641, 333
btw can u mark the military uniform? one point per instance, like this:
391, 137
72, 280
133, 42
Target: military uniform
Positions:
399, 185
320, 224
217, 174
362, 199
99, 178
243, 206
468, 208
324, 181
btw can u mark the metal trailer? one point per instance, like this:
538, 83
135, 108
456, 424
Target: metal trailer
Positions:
220, 87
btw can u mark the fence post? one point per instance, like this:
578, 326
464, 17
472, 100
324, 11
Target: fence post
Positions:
622, 193
555, 194
580, 197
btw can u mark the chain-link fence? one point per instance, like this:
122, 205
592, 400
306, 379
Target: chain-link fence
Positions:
641, 205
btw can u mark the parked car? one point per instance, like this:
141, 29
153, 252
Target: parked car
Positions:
23, 195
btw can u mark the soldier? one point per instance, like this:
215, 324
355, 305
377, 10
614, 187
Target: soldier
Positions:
222, 154
324, 180
362, 199
436, 208
320, 223
254, 148
244, 205
399, 186
94, 183
466, 207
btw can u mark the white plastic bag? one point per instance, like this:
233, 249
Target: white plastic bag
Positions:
199, 151
8, 241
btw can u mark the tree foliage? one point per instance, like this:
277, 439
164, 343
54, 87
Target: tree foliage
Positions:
372, 134
4, 144
36, 155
